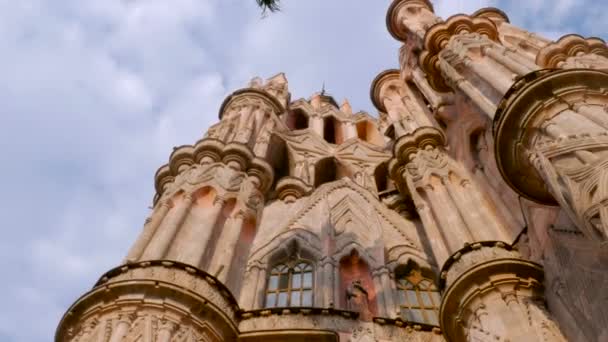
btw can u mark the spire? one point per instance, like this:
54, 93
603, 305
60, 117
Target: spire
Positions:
345, 107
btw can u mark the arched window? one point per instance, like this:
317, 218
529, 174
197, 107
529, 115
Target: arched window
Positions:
290, 284
419, 299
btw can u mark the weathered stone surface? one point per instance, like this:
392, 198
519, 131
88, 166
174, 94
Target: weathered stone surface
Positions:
483, 175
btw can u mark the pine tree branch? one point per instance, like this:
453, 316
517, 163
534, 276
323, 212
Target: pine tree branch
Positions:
269, 5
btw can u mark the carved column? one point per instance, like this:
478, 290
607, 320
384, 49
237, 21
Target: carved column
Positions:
410, 19
161, 241
195, 240
250, 287
316, 123
226, 245
329, 273
148, 232
165, 330
552, 145
122, 326
384, 280
492, 293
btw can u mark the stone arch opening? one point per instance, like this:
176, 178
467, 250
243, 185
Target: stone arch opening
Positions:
297, 119
367, 131
332, 130
383, 182
278, 157
329, 170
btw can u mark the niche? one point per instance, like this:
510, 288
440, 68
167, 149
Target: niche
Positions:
332, 130
381, 178
297, 119
357, 292
367, 131
278, 156
329, 170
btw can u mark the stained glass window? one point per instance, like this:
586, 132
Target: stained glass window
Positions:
290, 284
419, 298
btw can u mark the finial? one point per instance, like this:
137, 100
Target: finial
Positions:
346, 107
323, 88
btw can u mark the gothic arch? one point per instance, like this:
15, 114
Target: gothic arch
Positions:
353, 246
359, 293
306, 241
400, 255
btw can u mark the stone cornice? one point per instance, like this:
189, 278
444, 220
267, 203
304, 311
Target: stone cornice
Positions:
468, 248
570, 45
438, 36
192, 292
378, 84
492, 13
421, 137
292, 187
108, 277
399, 322
254, 93
392, 16
519, 114
217, 151
478, 269
305, 310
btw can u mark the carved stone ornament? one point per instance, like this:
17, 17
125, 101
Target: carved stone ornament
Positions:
573, 46
438, 36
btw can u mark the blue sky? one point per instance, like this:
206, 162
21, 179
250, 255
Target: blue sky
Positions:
96, 93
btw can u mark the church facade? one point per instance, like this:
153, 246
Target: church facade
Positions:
474, 207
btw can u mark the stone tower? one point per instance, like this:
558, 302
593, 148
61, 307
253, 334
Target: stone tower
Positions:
473, 208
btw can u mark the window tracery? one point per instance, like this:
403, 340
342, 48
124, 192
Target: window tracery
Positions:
290, 284
419, 299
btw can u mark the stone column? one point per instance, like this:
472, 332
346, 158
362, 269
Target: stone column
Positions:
165, 330
328, 269
387, 290
250, 288
492, 293
122, 326
380, 302
226, 246
433, 234
260, 288
161, 241
351, 130
194, 241
148, 232
316, 123
551, 150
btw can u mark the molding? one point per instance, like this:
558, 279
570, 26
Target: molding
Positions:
386, 76
492, 13
519, 115
186, 291
419, 139
272, 101
438, 36
392, 16
570, 45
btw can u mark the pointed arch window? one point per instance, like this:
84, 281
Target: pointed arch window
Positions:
290, 284
419, 298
